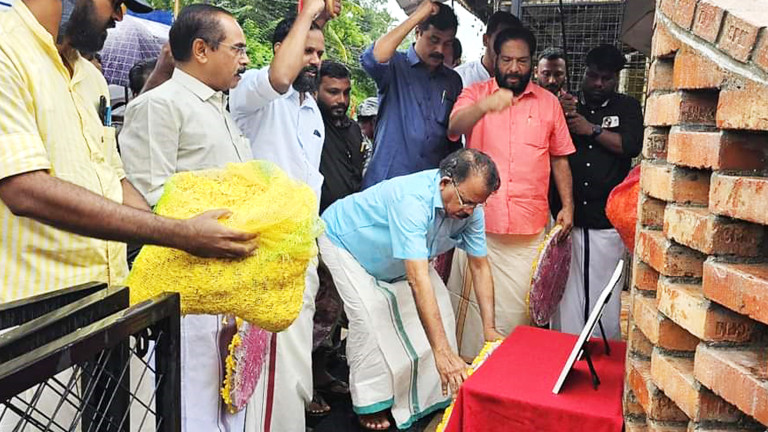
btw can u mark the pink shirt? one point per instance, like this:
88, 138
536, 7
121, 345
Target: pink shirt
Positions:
520, 140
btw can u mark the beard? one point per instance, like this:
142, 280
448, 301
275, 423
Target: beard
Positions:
336, 112
522, 83
554, 88
306, 83
80, 26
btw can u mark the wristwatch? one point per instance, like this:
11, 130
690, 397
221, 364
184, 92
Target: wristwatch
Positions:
596, 130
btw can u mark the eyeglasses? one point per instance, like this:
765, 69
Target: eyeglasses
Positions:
119, 5
241, 49
461, 200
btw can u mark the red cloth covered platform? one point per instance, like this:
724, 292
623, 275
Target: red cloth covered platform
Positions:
512, 391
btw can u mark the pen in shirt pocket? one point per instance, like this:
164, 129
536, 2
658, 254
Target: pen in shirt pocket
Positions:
105, 112
443, 97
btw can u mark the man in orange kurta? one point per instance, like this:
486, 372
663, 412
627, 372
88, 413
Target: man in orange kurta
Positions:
522, 127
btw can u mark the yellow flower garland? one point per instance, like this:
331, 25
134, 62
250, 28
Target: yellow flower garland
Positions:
485, 353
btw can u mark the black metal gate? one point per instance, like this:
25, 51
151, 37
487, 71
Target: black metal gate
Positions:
587, 24
80, 359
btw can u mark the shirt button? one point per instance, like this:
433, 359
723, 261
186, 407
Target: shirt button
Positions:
590, 147
585, 203
589, 164
586, 183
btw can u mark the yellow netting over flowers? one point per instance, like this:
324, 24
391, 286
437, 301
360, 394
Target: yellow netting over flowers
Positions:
266, 288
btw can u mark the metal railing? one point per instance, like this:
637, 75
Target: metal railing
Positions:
80, 359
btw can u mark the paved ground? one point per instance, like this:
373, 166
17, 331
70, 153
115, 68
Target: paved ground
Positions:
342, 419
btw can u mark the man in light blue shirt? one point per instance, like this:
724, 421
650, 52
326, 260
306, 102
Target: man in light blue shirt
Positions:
401, 347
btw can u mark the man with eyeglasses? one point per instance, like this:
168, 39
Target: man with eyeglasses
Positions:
377, 246
521, 125
184, 125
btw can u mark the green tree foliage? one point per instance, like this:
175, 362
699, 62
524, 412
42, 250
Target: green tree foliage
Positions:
346, 37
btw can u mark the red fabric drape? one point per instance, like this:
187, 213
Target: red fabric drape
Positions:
512, 391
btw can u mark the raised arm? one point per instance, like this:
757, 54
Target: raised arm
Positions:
289, 55
464, 119
385, 46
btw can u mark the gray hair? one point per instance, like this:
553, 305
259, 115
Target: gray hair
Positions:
462, 163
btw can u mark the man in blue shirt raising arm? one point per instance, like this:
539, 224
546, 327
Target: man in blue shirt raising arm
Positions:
416, 94
401, 346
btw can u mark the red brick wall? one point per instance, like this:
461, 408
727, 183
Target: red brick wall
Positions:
698, 340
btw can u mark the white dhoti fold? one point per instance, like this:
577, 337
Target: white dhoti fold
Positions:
511, 257
594, 258
285, 386
202, 376
390, 360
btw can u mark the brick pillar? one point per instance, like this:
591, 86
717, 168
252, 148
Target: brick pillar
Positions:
698, 341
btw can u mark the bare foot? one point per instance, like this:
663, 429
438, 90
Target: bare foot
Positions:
378, 421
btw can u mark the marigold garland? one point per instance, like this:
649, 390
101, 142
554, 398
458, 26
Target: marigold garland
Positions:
485, 353
247, 353
545, 299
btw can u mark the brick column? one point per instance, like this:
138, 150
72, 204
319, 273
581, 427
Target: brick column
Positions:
698, 345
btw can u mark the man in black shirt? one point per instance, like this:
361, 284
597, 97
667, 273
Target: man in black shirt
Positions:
607, 130
341, 164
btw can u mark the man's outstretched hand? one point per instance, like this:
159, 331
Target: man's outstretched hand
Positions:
452, 370
207, 238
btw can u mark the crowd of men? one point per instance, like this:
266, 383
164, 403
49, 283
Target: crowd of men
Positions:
472, 164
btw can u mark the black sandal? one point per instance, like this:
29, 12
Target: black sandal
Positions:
334, 386
318, 400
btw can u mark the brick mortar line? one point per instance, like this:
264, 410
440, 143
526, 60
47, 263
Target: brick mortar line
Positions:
725, 61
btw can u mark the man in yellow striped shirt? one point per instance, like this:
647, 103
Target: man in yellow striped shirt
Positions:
65, 206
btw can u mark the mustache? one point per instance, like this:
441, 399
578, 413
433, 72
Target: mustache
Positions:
513, 75
241, 70
437, 56
310, 69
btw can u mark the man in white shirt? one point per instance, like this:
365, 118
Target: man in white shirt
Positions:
183, 125
276, 109
482, 69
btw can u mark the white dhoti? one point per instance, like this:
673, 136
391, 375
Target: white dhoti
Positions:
202, 376
285, 386
511, 257
390, 360
595, 256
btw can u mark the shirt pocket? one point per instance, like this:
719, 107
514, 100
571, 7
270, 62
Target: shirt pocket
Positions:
443, 115
107, 145
535, 133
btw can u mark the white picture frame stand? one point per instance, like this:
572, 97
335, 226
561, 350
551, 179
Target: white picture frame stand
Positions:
581, 343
